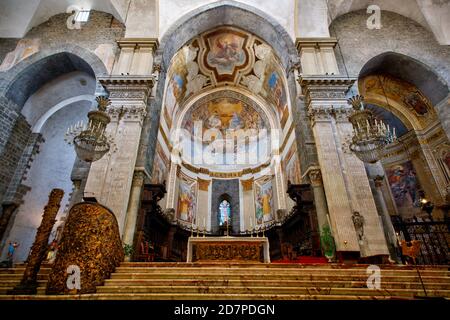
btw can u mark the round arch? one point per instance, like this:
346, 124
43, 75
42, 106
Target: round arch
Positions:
26, 77
222, 13
408, 69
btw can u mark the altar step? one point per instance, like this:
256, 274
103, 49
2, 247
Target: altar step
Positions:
228, 281
277, 281
11, 277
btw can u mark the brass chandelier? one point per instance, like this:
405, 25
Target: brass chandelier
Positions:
370, 136
90, 141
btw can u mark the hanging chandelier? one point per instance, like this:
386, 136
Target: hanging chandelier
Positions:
89, 140
370, 136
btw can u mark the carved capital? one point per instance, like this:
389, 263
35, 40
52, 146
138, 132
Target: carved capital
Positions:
139, 178
247, 185
315, 176
203, 185
378, 181
126, 89
127, 113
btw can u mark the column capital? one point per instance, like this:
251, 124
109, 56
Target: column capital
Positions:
139, 176
128, 88
378, 181
326, 87
314, 175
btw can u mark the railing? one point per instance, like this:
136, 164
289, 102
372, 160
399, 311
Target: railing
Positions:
434, 237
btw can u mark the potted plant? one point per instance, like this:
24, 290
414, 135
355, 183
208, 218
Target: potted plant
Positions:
128, 251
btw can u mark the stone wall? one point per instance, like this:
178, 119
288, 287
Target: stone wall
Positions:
12, 152
98, 35
398, 34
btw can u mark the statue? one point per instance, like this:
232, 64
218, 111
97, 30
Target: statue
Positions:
358, 222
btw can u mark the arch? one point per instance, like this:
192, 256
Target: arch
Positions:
402, 7
225, 199
26, 77
408, 69
227, 12
37, 127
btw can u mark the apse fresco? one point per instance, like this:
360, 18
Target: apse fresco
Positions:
292, 166
226, 52
264, 201
405, 188
274, 88
224, 114
176, 87
159, 166
187, 197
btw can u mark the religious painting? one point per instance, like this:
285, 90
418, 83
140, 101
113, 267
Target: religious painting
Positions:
292, 167
176, 87
401, 91
159, 166
274, 88
405, 188
416, 101
226, 52
264, 200
187, 198
224, 114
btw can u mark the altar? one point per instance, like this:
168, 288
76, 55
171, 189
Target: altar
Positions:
233, 249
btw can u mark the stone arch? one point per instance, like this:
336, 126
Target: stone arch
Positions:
409, 69
208, 17
412, 71
227, 12
358, 44
26, 77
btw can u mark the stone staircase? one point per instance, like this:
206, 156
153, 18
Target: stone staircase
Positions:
10, 277
228, 281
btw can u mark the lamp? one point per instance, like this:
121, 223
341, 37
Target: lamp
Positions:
90, 141
370, 136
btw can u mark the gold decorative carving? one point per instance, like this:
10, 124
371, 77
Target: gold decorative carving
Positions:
236, 251
90, 241
247, 185
203, 185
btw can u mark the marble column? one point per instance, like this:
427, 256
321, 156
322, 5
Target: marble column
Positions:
320, 200
110, 179
389, 230
133, 206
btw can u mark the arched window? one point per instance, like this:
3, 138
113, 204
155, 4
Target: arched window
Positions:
224, 213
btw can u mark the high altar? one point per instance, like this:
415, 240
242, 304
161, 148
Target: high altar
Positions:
220, 249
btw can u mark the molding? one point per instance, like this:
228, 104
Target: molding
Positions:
152, 43
301, 43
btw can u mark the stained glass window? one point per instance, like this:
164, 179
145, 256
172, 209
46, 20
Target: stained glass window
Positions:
224, 212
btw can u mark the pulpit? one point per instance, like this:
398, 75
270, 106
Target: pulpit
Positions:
228, 249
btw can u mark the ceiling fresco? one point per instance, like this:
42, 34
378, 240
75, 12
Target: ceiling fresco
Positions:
226, 57
414, 105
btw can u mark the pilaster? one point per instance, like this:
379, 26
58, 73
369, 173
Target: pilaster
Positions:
110, 179
136, 56
317, 56
344, 177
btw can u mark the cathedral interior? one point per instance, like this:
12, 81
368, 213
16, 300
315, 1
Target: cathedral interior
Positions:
195, 134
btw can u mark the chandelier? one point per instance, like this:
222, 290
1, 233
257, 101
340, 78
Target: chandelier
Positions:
89, 140
370, 136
